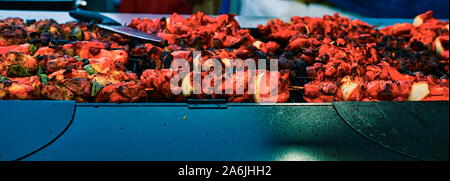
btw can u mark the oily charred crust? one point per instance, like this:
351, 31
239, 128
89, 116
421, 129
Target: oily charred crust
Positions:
122, 93
13, 34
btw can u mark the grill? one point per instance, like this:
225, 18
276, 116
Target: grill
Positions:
217, 130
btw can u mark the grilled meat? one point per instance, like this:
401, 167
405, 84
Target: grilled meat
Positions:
199, 30
334, 58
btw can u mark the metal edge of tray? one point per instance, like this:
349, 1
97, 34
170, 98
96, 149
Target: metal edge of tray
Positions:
187, 104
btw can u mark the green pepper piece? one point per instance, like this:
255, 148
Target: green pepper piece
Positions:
40, 70
77, 33
2, 78
44, 79
78, 58
33, 48
89, 69
95, 88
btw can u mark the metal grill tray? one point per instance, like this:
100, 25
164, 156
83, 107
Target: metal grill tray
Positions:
65, 130
61, 130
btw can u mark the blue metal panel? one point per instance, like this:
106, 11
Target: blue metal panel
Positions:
164, 132
394, 8
252, 22
225, 7
27, 126
418, 129
382, 22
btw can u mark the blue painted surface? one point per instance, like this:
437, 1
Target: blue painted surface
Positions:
382, 22
26, 126
166, 133
225, 7
394, 8
417, 129
252, 22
